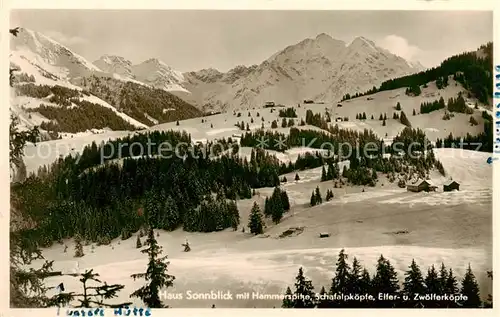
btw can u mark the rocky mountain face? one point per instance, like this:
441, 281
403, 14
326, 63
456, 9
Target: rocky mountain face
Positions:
318, 69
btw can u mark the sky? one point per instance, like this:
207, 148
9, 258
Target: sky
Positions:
197, 39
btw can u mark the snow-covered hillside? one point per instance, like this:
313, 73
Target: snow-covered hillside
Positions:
431, 228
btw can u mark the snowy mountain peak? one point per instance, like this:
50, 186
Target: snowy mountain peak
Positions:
363, 43
40, 55
115, 65
157, 74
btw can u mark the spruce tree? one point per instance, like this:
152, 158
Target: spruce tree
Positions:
287, 300
304, 292
372, 117
432, 286
177, 123
414, 112
330, 172
255, 220
313, 199
156, 275
342, 279
383, 123
78, 247
297, 178
413, 284
285, 202
355, 285
470, 289
317, 195
398, 106
91, 295
381, 117
443, 278
323, 174
385, 281
322, 301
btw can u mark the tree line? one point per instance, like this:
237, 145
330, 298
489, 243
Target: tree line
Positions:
353, 279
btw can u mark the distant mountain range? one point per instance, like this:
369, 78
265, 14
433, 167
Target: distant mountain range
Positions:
320, 68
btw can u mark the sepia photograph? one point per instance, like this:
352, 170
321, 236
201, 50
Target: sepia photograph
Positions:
250, 159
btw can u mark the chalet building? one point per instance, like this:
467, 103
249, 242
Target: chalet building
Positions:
421, 185
269, 104
450, 186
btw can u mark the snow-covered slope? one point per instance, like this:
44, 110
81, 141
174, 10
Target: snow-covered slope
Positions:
319, 69
50, 58
50, 63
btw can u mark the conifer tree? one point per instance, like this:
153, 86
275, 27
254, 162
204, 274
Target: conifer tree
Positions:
284, 123
274, 124
341, 282
383, 123
385, 281
92, 295
364, 116
354, 284
432, 286
304, 291
138, 243
451, 283
297, 178
317, 195
156, 275
398, 106
443, 278
322, 301
78, 247
470, 289
330, 172
385, 116
313, 199
372, 117
323, 174
287, 301
414, 112
381, 117
285, 202
255, 220
177, 123
413, 284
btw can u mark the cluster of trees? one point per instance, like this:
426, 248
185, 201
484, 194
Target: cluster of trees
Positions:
139, 101
255, 222
98, 202
288, 113
85, 116
358, 94
24, 78
442, 82
481, 142
332, 172
459, 105
427, 107
361, 116
472, 70
241, 126
355, 279
316, 198
276, 205
413, 90
290, 123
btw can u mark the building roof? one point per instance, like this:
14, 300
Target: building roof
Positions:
419, 182
448, 183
